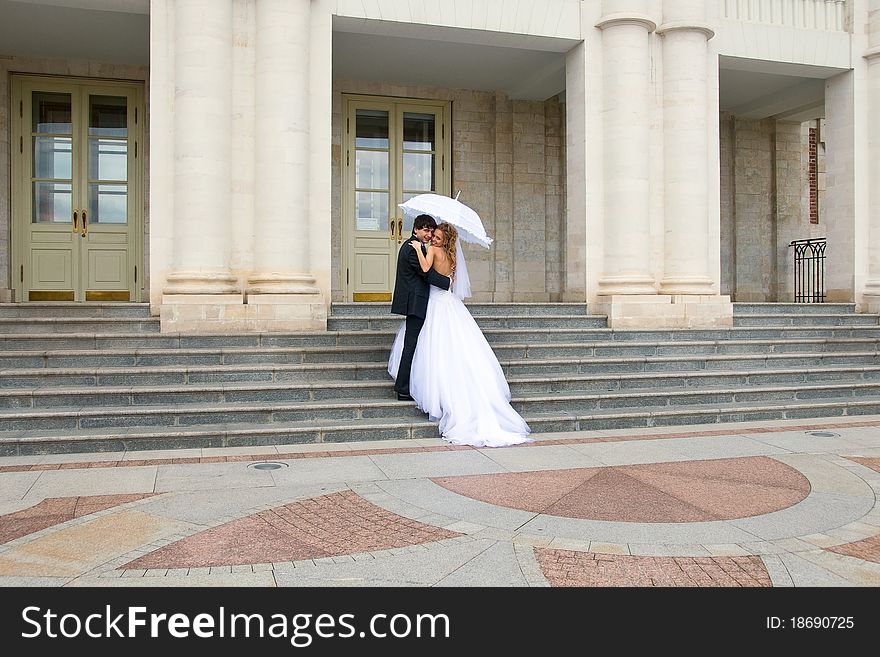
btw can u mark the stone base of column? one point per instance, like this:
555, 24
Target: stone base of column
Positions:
286, 312
870, 304
235, 313
202, 313
6, 295
652, 311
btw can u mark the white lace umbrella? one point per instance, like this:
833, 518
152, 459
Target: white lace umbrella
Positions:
451, 210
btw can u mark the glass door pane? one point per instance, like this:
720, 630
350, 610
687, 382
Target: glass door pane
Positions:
108, 159
52, 170
372, 180
418, 157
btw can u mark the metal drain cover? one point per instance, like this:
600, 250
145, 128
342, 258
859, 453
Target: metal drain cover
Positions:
823, 434
267, 466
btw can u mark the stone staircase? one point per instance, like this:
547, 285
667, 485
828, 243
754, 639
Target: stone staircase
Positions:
100, 377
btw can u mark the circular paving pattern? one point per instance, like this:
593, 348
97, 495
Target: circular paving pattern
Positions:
692, 491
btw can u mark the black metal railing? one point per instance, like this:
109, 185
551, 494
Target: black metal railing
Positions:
809, 270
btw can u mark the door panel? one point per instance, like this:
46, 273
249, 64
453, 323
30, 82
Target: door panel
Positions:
393, 148
76, 187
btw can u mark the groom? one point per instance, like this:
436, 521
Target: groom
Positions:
411, 296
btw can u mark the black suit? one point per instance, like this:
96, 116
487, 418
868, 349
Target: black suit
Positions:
411, 290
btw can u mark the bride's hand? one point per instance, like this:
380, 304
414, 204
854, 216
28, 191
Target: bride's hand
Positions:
416, 245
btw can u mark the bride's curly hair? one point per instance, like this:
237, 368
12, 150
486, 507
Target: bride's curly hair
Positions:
451, 237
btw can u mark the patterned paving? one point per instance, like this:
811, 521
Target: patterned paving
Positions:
867, 549
326, 526
56, 510
873, 463
569, 568
662, 492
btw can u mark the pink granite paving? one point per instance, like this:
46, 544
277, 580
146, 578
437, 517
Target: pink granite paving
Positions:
693, 491
867, 549
55, 510
326, 526
570, 568
868, 462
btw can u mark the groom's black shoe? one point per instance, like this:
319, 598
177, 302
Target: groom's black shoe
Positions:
402, 397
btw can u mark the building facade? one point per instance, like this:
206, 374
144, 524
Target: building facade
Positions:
238, 163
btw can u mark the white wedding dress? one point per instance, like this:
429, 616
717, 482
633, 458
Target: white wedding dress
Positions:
456, 378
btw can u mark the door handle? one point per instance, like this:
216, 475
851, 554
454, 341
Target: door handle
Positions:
392, 228
75, 229
399, 231
85, 225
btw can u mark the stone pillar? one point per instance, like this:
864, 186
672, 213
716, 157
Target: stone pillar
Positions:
626, 167
685, 148
871, 289
200, 278
692, 294
281, 281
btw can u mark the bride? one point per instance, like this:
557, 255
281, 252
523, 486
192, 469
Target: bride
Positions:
456, 378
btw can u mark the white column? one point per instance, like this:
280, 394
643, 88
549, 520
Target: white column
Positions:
685, 148
872, 55
281, 204
202, 145
626, 168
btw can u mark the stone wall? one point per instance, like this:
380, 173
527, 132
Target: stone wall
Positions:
508, 162
765, 204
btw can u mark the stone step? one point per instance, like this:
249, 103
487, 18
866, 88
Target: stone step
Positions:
65, 309
475, 308
282, 433
263, 412
791, 319
37, 341
381, 388
523, 361
746, 307
393, 322
90, 358
64, 326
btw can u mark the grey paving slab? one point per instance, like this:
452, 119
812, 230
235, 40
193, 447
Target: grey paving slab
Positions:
98, 481
232, 451
332, 470
496, 566
817, 513
435, 464
410, 569
826, 476
630, 452
667, 550
34, 581
186, 452
210, 476
528, 563
804, 572
853, 571
721, 447
15, 485
779, 575
547, 457
427, 495
218, 579
82, 458
206, 506
21, 460
696, 533
800, 441
11, 506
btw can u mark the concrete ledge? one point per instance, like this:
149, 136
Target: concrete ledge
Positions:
259, 313
651, 311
